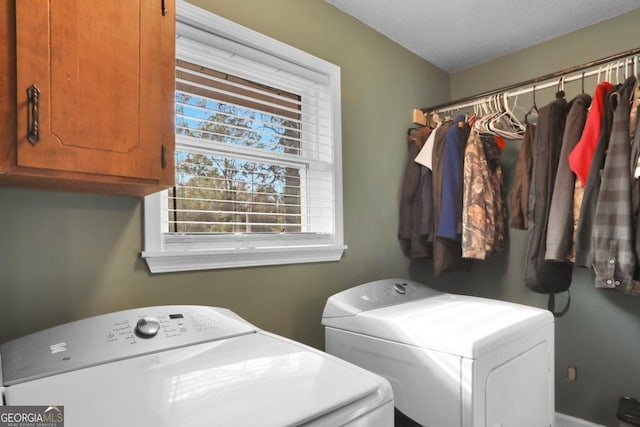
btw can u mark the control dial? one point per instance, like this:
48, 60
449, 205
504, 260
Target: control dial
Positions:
400, 288
147, 327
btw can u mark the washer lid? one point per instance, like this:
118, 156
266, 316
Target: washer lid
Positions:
456, 324
249, 380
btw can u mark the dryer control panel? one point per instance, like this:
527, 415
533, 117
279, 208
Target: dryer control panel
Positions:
120, 335
377, 294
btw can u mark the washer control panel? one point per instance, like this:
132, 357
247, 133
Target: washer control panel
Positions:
377, 294
120, 335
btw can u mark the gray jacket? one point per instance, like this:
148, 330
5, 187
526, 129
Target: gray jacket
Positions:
612, 243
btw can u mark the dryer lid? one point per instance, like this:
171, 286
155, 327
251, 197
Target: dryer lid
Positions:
456, 324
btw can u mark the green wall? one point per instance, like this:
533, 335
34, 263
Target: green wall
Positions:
66, 256
600, 333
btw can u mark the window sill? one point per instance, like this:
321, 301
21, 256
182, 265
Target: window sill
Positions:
168, 262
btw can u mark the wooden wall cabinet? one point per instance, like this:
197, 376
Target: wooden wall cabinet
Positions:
104, 72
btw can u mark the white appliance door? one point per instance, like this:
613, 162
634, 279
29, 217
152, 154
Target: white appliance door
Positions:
517, 392
250, 380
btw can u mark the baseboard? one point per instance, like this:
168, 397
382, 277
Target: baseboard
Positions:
563, 420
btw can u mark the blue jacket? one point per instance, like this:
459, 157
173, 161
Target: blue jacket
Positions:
449, 224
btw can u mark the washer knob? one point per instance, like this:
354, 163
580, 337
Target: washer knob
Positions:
400, 288
147, 327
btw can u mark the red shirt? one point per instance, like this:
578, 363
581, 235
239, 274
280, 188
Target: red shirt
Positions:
581, 155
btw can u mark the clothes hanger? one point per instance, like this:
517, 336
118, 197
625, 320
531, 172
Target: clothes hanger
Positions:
598, 81
533, 107
505, 124
516, 124
471, 118
483, 112
626, 69
494, 111
560, 92
435, 117
493, 123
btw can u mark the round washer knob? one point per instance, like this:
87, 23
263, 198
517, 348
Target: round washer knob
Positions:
147, 327
400, 288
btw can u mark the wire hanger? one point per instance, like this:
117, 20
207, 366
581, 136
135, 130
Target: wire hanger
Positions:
533, 107
560, 92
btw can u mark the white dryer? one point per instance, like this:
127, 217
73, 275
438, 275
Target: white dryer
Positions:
452, 360
187, 366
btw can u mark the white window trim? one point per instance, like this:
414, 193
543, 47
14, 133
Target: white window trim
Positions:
166, 253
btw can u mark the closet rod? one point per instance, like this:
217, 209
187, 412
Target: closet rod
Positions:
560, 84
471, 100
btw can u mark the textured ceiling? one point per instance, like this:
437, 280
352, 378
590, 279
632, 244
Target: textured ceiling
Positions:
457, 34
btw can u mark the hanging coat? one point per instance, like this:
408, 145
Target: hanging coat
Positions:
522, 183
614, 258
483, 211
560, 229
425, 159
411, 201
540, 275
449, 224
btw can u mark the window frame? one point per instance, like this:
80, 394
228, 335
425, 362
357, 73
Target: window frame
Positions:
165, 252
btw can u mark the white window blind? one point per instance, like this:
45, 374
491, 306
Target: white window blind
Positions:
258, 171
246, 158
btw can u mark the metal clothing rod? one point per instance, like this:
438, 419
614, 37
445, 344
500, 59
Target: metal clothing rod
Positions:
517, 88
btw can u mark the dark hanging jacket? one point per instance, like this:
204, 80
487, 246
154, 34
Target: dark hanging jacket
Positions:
545, 276
520, 192
411, 201
560, 228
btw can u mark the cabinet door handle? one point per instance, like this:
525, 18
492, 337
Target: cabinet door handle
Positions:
33, 101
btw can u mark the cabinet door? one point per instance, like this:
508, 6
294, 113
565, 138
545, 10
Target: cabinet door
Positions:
105, 74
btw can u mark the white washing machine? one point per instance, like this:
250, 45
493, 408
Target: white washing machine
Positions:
187, 366
452, 360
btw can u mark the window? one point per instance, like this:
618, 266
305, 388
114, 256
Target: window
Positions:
258, 153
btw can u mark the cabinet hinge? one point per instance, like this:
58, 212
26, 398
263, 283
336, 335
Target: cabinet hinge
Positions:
164, 7
163, 156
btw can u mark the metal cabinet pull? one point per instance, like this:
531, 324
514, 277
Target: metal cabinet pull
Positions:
33, 100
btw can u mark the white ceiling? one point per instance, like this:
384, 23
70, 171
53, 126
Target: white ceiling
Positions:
457, 34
